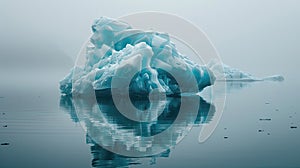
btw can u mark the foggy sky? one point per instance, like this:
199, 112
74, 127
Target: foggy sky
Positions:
261, 37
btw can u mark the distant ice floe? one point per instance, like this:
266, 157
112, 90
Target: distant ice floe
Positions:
227, 73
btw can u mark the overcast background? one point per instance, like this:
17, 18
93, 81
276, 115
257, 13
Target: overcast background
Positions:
261, 37
39, 41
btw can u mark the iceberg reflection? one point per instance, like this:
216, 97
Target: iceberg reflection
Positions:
106, 128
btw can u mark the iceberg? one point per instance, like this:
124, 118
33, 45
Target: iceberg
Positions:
150, 59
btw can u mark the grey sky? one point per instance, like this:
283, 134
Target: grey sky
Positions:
259, 36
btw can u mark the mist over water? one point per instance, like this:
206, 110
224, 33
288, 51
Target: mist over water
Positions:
260, 123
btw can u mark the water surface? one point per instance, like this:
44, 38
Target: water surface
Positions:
41, 128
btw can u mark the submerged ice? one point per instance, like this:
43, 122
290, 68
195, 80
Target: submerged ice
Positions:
150, 59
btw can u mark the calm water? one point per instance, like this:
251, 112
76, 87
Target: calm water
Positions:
39, 128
